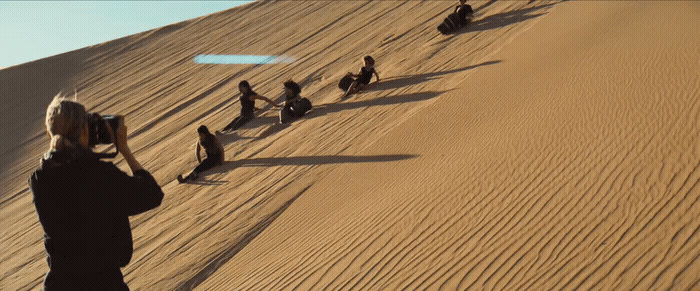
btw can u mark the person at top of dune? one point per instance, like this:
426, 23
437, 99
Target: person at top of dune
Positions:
465, 12
295, 106
247, 99
213, 149
363, 78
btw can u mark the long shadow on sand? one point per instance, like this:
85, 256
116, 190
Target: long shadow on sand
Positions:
324, 109
407, 80
391, 83
503, 19
305, 161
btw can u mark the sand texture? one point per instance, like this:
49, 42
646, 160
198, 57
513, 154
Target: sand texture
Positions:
551, 145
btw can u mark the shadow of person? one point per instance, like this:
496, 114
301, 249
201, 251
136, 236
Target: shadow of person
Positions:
407, 80
323, 109
227, 138
207, 182
503, 19
305, 161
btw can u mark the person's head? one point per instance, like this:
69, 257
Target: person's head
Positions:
462, 2
66, 124
203, 131
369, 61
244, 87
291, 89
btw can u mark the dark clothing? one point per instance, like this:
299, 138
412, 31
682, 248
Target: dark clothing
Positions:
286, 114
207, 164
247, 105
464, 11
61, 279
247, 111
294, 108
365, 76
84, 206
215, 154
211, 146
238, 122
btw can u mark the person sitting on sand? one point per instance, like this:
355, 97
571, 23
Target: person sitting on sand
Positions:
465, 12
213, 149
363, 78
247, 99
295, 106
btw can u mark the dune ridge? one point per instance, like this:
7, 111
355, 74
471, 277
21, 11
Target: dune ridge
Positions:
551, 145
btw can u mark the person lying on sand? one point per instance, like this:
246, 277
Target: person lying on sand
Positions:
363, 78
295, 106
247, 99
213, 149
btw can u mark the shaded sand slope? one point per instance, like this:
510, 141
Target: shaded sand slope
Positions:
151, 78
574, 163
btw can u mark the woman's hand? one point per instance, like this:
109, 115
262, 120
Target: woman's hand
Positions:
121, 133
123, 146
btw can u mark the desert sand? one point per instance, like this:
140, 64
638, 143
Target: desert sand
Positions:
551, 145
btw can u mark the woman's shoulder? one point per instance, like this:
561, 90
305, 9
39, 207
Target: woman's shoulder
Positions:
74, 163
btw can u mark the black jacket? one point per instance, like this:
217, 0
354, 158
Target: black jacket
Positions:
84, 206
464, 11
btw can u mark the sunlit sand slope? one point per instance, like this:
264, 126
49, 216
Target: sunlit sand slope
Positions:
572, 164
550, 145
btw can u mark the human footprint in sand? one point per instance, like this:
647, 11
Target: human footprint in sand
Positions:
213, 149
363, 78
247, 99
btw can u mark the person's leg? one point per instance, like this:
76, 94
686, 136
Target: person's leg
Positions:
236, 124
351, 90
286, 114
230, 125
207, 164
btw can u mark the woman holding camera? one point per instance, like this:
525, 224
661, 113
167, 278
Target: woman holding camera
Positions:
84, 204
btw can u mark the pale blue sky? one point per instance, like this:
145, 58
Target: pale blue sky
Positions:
31, 30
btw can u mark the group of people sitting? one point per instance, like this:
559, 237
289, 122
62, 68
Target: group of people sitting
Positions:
294, 107
84, 203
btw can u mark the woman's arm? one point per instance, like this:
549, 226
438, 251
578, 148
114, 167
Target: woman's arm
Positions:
129, 194
126, 194
123, 146
221, 149
197, 151
376, 74
263, 98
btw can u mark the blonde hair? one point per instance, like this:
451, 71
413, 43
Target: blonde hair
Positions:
64, 122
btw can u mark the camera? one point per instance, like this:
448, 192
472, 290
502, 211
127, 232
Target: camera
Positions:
97, 125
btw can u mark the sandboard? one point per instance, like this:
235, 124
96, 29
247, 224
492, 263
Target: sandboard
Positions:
345, 83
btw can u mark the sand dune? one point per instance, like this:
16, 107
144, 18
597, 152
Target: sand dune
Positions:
551, 146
